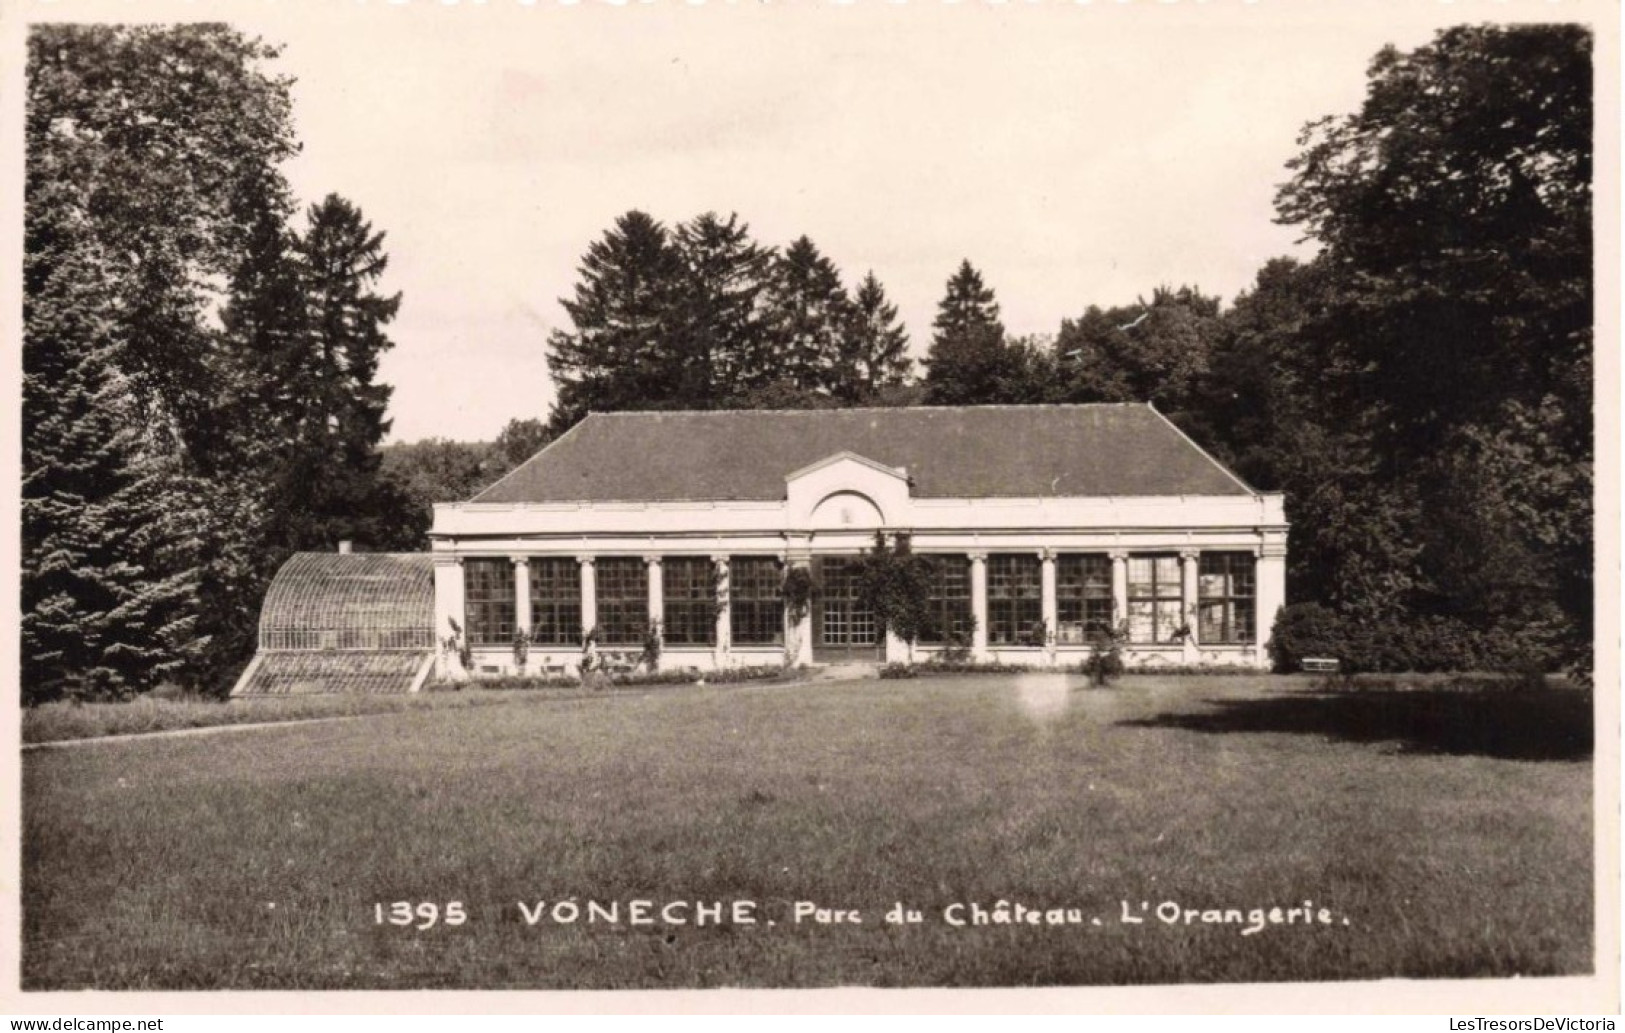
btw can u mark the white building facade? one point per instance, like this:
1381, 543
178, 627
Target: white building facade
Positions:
1045, 524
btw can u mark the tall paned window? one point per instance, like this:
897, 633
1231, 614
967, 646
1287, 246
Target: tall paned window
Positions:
488, 602
555, 601
1083, 597
1014, 599
756, 601
623, 600
950, 608
1226, 602
690, 601
1154, 598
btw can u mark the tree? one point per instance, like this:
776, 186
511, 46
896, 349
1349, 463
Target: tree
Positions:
723, 337
874, 349
1150, 352
809, 315
154, 148
622, 352
329, 409
518, 441
969, 359
151, 179
109, 525
1456, 208
895, 583
1453, 344
437, 470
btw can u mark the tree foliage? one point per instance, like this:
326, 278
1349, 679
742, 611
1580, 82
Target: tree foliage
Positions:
895, 583
200, 378
1422, 390
705, 317
1154, 351
971, 360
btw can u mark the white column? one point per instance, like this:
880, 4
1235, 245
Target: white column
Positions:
1119, 587
589, 593
1271, 588
521, 593
724, 632
1048, 607
798, 633
657, 595
448, 608
1188, 559
978, 604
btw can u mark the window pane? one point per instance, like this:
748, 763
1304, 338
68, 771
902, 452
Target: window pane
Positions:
1014, 603
950, 608
555, 601
623, 600
755, 600
1227, 582
688, 590
489, 604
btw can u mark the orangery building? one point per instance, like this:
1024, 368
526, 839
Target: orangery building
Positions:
1044, 524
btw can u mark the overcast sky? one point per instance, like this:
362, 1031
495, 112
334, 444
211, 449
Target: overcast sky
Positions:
1077, 154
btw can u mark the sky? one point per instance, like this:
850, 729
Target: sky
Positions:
1075, 153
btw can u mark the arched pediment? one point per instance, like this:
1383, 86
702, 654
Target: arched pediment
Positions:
847, 492
847, 511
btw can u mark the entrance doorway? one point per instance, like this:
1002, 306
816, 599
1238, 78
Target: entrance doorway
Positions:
844, 630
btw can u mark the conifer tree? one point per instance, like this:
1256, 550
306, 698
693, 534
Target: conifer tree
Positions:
969, 359
110, 525
621, 352
874, 352
333, 418
810, 316
723, 342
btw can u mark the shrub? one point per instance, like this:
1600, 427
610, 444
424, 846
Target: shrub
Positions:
1304, 629
894, 670
1105, 659
1411, 642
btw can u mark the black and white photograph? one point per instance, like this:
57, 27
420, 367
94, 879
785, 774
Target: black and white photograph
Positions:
1062, 498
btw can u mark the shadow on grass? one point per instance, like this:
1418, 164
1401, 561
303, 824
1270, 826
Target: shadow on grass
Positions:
1509, 724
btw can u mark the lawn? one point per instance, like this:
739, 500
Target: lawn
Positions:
1443, 835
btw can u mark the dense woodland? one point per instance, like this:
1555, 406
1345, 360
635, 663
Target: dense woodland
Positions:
200, 358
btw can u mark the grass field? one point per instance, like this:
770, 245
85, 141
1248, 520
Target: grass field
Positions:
1452, 832
58, 722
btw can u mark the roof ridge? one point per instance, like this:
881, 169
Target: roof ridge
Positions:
870, 408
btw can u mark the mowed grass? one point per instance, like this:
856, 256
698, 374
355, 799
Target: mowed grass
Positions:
255, 860
59, 722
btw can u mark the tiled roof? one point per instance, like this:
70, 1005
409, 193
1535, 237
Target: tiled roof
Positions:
949, 452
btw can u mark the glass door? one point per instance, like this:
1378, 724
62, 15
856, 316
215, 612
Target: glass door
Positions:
843, 628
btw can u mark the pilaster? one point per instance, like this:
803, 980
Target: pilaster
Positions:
521, 593
1188, 567
1048, 607
724, 631
978, 604
589, 593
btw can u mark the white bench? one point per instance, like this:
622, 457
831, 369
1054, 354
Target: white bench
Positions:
1319, 665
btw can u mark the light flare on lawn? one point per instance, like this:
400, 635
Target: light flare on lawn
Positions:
1043, 697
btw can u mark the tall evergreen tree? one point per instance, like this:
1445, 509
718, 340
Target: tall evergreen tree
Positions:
724, 340
334, 417
969, 362
110, 525
152, 169
809, 316
874, 354
622, 352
